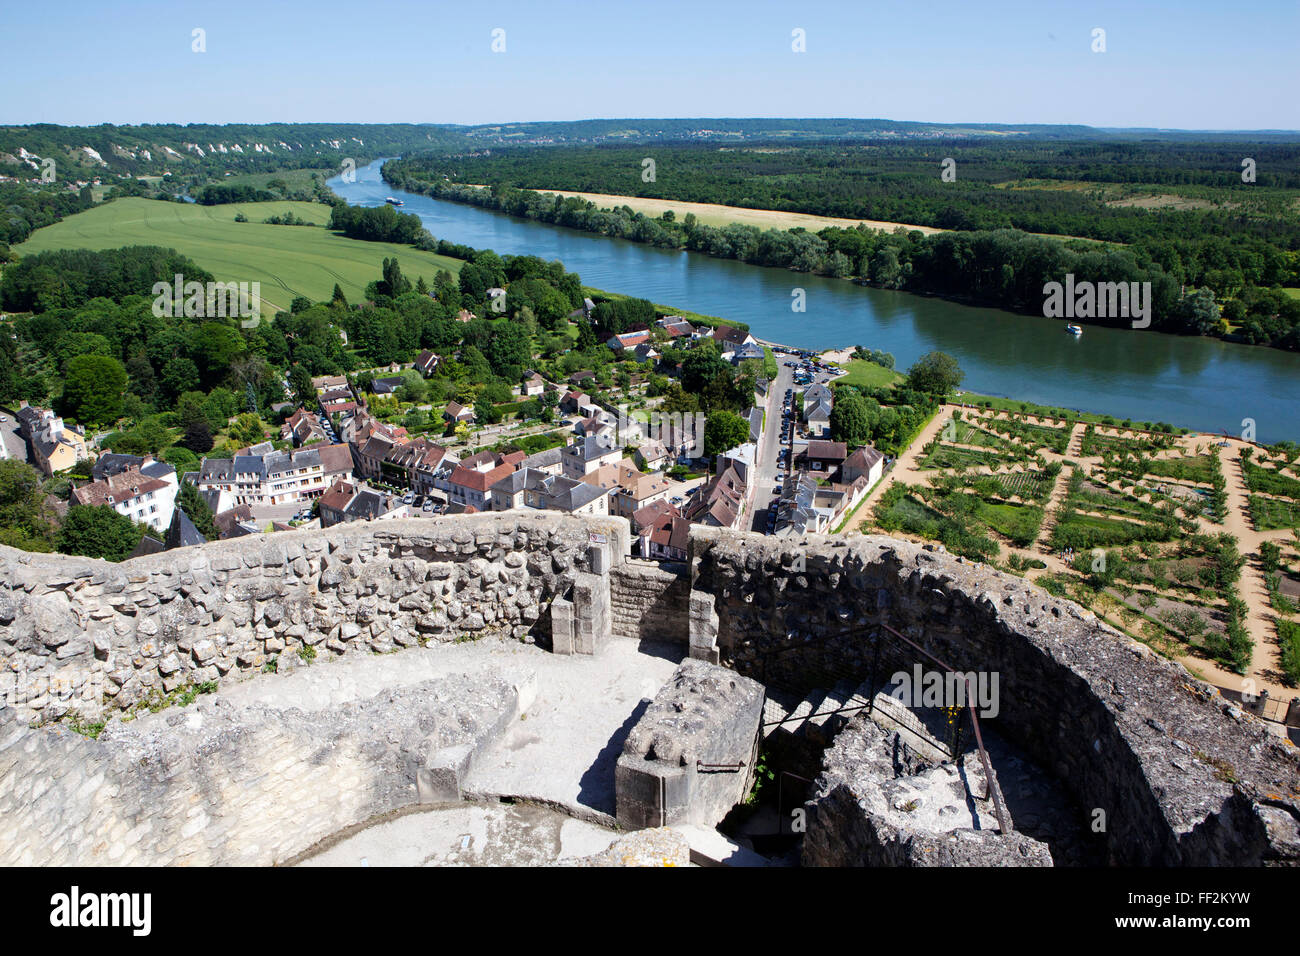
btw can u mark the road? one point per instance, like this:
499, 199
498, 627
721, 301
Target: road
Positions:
770, 444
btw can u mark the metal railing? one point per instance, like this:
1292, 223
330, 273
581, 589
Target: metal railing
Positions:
994, 792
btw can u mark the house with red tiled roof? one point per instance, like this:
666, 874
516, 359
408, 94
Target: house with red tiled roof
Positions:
662, 533
472, 488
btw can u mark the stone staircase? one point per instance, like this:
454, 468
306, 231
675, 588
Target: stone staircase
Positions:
797, 730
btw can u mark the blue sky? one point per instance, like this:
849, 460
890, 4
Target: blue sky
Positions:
1192, 64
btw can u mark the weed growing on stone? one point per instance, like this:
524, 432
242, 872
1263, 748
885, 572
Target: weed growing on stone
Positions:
307, 653
182, 696
79, 725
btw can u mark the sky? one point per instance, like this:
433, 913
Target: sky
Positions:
1191, 64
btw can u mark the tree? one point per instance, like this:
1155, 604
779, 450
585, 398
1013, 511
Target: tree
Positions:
198, 436
724, 431
190, 501
22, 501
850, 419
935, 373
97, 531
300, 382
93, 389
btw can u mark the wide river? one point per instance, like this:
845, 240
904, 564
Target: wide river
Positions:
1198, 383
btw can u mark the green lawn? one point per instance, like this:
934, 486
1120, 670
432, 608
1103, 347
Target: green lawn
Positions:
869, 374
287, 260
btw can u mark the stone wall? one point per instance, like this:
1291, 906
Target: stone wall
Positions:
212, 784
1179, 775
88, 636
649, 601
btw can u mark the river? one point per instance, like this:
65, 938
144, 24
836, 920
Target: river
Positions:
1199, 383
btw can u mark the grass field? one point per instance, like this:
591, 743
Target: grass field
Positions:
711, 214
287, 260
869, 374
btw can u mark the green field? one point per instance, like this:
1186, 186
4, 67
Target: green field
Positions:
869, 374
287, 260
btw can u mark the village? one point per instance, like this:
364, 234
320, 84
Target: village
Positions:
337, 460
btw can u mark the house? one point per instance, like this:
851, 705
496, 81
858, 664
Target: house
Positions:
577, 378
234, 522
433, 471
456, 413
527, 488
110, 464
731, 338
262, 476
747, 352
548, 462
818, 418
144, 498
573, 402
586, 455
815, 394
405, 464
472, 488
652, 456
645, 352
807, 507
352, 501
637, 490
593, 426
333, 395
54, 446
325, 383
370, 455
627, 340
682, 437
720, 503
755, 418
741, 458
465, 315
867, 462
532, 387
676, 326
662, 533
797, 512
825, 456
302, 428
426, 363
388, 385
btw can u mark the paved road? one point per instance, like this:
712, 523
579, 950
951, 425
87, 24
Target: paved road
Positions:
771, 444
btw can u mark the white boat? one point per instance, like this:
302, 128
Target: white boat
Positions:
1074, 329
393, 202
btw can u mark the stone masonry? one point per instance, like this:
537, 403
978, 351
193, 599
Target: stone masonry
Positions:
1181, 776
690, 758
83, 635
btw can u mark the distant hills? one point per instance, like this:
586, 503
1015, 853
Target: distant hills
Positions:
199, 149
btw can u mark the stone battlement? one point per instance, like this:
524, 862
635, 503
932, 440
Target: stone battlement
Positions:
1179, 775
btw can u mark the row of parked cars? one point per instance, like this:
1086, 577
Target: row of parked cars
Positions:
426, 503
